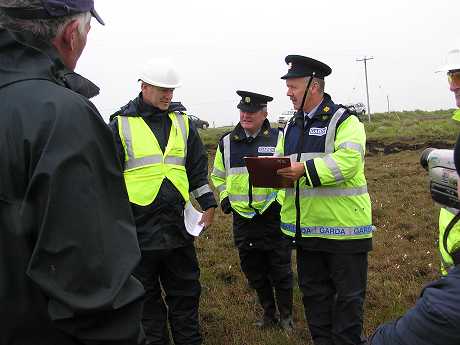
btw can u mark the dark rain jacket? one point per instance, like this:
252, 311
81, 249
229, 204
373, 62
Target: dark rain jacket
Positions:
434, 320
67, 239
160, 225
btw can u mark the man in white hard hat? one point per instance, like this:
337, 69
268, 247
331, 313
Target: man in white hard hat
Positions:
435, 319
164, 161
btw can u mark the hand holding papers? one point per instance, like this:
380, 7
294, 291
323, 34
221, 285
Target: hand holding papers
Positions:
262, 171
191, 219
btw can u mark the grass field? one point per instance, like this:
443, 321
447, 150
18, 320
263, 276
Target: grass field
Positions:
404, 258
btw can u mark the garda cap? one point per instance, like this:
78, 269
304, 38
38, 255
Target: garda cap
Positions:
252, 102
51, 9
302, 66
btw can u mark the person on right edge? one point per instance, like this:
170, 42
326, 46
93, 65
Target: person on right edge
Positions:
435, 318
445, 215
265, 255
328, 212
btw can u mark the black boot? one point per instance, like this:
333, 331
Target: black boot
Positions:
267, 301
284, 303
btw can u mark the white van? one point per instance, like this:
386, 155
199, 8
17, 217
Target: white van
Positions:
285, 117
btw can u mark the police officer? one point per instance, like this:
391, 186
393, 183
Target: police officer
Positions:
67, 236
435, 319
328, 212
265, 255
164, 161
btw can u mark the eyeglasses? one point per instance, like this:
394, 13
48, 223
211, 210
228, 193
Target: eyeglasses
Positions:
454, 78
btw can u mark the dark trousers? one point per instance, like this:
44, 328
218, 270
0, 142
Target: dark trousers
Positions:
267, 270
333, 288
177, 271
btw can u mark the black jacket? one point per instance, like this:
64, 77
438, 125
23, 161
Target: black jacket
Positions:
160, 225
67, 239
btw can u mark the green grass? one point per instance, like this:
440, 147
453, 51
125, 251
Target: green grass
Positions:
409, 126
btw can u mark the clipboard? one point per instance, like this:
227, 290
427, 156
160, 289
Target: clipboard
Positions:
262, 171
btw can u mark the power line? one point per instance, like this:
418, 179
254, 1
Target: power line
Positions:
367, 88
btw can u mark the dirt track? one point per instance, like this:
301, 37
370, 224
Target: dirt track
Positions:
375, 146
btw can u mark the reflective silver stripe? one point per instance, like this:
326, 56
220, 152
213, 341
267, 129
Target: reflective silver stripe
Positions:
237, 171
331, 230
221, 188
181, 121
218, 172
231, 171
201, 191
155, 159
126, 129
307, 156
226, 142
175, 160
245, 197
138, 162
330, 135
323, 191
334, 168
353, 146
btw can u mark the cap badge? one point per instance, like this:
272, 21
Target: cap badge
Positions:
289, 65
247, 99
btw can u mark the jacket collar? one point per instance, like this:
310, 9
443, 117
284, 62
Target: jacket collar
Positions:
137, 107
323, 111
238, 133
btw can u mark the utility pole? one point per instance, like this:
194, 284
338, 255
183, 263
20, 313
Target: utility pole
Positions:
367, 87
388, 103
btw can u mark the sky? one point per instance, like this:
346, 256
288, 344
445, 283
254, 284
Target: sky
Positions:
219, 47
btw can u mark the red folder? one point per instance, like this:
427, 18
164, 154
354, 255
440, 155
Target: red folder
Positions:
262, 171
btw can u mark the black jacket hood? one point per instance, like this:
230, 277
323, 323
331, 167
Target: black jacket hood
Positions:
41, 61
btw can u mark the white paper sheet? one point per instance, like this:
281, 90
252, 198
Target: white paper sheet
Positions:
191, 218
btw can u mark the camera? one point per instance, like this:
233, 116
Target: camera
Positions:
443, 176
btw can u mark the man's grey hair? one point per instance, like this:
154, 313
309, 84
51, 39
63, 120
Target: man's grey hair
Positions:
319, 82
44, 29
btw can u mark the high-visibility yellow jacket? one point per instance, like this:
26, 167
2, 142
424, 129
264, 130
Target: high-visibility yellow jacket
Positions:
230, 175
334, 202
145, 163
453, 239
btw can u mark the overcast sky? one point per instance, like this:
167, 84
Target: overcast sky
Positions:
223, 46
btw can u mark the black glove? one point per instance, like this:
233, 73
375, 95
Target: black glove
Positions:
226, 206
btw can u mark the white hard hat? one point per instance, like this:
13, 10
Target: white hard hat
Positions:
161, 73
452, 61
